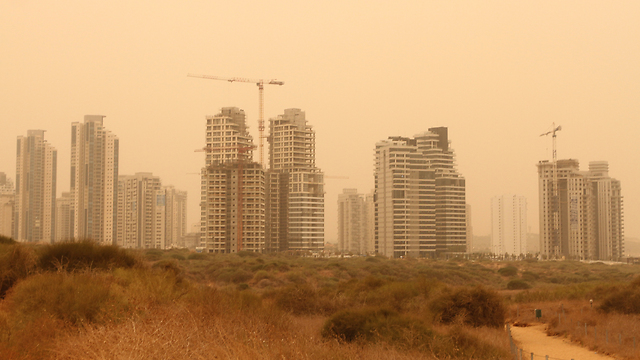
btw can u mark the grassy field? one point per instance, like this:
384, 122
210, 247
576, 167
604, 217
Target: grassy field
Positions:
80, 301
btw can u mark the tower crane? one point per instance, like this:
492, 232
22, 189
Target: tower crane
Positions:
260, 83
242, 150
555, 202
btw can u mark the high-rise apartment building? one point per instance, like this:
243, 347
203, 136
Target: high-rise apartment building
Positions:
94, 180
174, 216
7, 198
509, 225
469, 230
581, 217
35, 200
295, 199
419, 196
232, 187
355, 228
277, 211
64, 227
137, 212
149, 215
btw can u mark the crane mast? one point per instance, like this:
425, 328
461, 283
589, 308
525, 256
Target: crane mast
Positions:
555, 201
260, 83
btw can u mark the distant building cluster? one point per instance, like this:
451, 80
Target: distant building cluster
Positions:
581, 212
245, 207
130, 211
417, 207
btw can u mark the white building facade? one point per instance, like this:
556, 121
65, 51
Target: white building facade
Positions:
175, 216
581, 217
292, 161
509, 225
7, 198
420, 207
94, 180
64, 228
355, 228
137, 222
34, 208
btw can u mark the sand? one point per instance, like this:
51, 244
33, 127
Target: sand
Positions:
534, 339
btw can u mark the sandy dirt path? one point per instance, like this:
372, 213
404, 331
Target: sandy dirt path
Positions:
533, 339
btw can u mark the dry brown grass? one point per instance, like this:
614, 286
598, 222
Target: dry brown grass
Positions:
182, 333
606, 333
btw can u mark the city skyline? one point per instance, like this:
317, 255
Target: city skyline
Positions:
496, 74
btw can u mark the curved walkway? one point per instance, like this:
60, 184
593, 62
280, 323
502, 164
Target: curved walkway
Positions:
533, 339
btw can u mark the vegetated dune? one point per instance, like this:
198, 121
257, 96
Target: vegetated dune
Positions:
176, 304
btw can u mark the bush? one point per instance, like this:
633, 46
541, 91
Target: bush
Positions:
517, 284
178, 257
153, 254
73, 298
170, 266
464, 343
234, 275
248, 253
530, 276
476, 307
197, 256
508, 270
373, 325
298, 299
6, 240
16, 262
85, 254
262, 274
625, 300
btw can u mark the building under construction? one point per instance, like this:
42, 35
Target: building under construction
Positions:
232, 187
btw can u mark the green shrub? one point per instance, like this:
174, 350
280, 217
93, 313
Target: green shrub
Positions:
178, 257
153, 254
168, 265
74, 298
243, 286
518, 284
262, 274
508, 270
16, 262
625, 300
476, 307
296, 277
84, 254
6, 240
374, 325
298, 299
372, 282
248, 253
234, 275
530, 276
197, 256
146, 288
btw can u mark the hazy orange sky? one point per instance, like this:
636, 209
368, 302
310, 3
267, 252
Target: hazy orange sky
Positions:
496, 73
